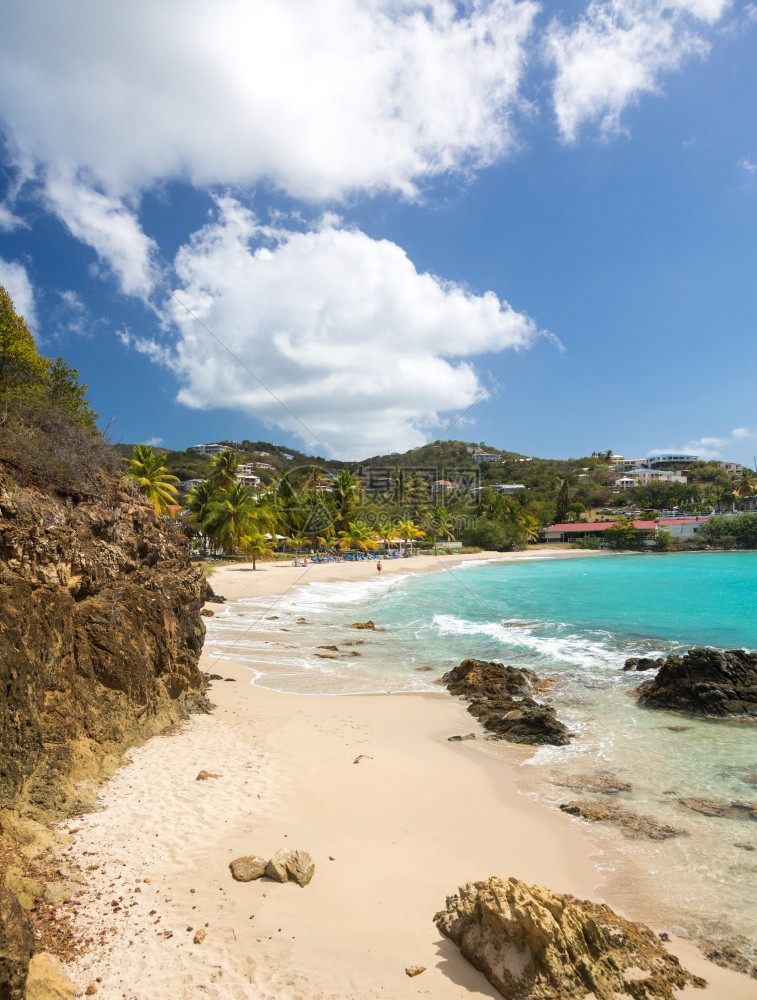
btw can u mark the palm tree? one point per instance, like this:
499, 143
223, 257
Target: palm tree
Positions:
745, 484
385, 529
345, 496
232, 516
257, 546
225, 466
358, 536
409, 530
199, 504
154, 480
439, 523
530, 526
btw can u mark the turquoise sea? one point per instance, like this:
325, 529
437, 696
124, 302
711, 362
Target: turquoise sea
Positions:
575, 620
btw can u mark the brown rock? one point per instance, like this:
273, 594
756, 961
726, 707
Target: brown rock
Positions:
16, 946
204, 775
500, 698
414, 970
48, 980
334, 649
277, 866
248, 868
532, 944
601, 783
364, 625
199, 936
632, 824
92, 988
101, 634
300, 867
726, 810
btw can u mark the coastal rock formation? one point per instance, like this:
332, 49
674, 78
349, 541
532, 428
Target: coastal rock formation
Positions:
706, 682
600, 783
16, 946
532, 944
724, 810
500, 698
632, 824
643, 663
101, 634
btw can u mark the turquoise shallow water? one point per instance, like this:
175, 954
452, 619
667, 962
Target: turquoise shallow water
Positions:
575, 620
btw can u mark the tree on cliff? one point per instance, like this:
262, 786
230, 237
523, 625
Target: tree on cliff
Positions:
46, 426
152, 477
22, 369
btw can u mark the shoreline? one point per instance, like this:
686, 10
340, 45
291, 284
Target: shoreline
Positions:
394, 815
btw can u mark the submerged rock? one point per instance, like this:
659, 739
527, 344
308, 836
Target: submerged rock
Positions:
601, 783
717, 683
738, 953
364, 625
533, 944
500, 698
725, 810
643, 663
632, 824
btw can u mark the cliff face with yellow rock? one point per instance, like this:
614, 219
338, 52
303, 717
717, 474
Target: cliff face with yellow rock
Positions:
100, 636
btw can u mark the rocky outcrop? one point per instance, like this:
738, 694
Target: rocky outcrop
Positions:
631, 823
643, 663
600, 783
101, 634
501, 699
533, 944
16, 946
100, 638
722, 810
705, 682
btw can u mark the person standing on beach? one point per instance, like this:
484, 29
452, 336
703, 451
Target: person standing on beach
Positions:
378, 565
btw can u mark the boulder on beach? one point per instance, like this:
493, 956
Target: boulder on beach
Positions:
500, 698
532, 944
248, 868
291, 866
712, 682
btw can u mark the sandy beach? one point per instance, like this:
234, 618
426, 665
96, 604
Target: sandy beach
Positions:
394, 815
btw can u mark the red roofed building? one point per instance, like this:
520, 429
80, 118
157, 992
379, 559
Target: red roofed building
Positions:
679, 527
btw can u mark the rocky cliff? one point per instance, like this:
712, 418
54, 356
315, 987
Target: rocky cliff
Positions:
100, 635
100, 638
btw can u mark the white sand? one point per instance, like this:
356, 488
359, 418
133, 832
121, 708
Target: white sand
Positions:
391, 835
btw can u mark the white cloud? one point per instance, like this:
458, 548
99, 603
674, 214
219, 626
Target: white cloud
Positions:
9, 220
722, 446
15, 280
321, 98
109, 227
746, 164
618, 51
341, 329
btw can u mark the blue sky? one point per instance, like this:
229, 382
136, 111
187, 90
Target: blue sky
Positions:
339, 225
